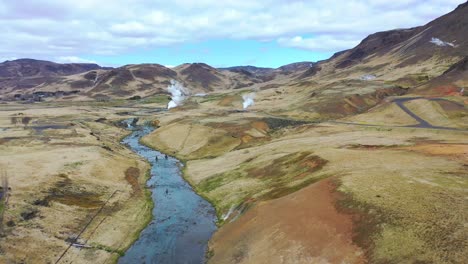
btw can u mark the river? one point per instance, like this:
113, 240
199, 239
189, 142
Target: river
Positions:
182, 222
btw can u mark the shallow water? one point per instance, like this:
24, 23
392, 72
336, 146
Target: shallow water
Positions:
40, 128
182, 223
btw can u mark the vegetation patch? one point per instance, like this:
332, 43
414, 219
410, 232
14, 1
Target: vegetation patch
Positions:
251, 181
67, 192
367, 220
131, 175
369, 146
407, 221
278, 123
157, 99
109, 249
29, 214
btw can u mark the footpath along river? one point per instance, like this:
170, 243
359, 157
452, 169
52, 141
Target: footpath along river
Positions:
182, 222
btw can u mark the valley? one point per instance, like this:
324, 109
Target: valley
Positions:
360, 158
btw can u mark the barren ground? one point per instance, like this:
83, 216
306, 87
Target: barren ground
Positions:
365, 188
62, 167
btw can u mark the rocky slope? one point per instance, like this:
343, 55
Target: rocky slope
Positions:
406, 56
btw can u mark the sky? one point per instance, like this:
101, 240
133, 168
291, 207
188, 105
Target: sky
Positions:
222, 33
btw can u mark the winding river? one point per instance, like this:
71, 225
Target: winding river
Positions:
182, 222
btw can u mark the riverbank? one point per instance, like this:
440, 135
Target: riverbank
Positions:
276, 164
60, 176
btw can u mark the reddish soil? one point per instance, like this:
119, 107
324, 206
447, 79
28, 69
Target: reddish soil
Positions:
456, 150
262, 126
449, 106
131, 175
445, 90
303, 227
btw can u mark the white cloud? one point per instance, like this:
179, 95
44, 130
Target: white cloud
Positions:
72, 59
320, 43
3, 59
57, 28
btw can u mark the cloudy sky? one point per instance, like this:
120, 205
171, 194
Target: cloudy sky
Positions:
218, 32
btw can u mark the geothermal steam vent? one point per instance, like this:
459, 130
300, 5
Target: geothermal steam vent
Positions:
178, 94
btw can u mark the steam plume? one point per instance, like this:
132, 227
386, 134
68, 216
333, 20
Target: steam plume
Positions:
441, 43
248, 100
368, 77
178, 94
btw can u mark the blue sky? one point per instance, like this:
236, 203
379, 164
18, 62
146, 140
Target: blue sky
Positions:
218, 53
267, 33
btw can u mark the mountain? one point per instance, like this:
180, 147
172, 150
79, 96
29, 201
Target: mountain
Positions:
453, 81
36, 68
25, 74
425, 60
26, 78
250, 69
297, 66
400, 57
131, 80
406, 56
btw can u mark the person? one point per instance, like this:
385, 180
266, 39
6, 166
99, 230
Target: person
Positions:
156, 158
167, 191
165, 156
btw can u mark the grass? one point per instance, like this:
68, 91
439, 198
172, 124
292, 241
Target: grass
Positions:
251, 182
109, 249
74, 165
2, 207
114, 102
149, 205
212, 97
402, 221
278, 123
156, 99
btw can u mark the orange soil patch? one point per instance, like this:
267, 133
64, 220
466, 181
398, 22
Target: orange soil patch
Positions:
262, 126
459, 150
447, 90
131, 175
303, 227
246, 139
229, 100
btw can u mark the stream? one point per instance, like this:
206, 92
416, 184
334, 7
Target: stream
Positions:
182, 221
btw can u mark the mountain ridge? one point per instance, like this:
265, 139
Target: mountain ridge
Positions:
405, 57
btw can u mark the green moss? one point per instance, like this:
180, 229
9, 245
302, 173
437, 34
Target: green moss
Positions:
278, 123
213, 97
158, 99
252, 181
210, 184
108, 249
285, 190
74, 165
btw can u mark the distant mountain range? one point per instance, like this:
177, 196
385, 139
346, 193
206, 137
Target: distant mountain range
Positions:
28, 76
405, 57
